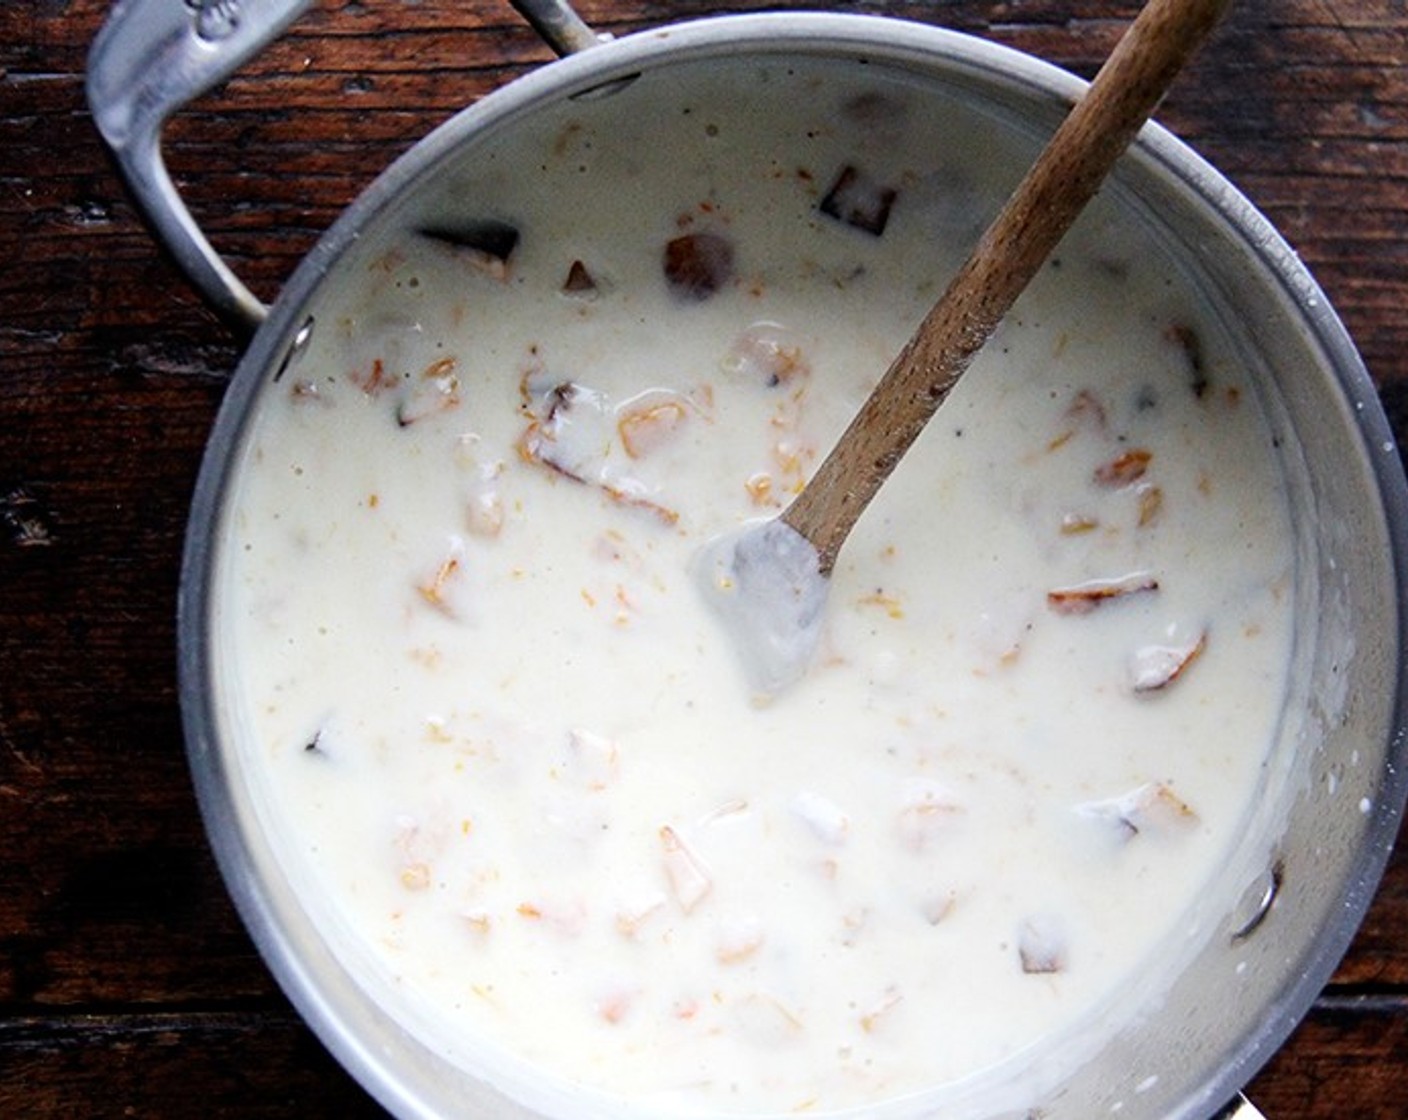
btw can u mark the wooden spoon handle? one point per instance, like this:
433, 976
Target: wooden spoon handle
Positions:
1047, 201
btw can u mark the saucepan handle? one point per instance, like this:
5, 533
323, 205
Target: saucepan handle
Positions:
150, 58
154, 56
560, 27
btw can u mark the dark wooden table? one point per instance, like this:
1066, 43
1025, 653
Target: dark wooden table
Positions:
127, 985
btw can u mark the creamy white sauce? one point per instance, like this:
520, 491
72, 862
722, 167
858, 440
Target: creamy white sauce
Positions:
508, 756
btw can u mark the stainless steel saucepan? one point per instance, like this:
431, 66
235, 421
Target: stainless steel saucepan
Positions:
1279, 916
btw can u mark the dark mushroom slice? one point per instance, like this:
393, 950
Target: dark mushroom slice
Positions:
860, 201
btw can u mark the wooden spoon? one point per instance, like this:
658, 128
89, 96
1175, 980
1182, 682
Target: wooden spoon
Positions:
769, 580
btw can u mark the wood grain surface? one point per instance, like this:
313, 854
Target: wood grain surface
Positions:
127, 984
